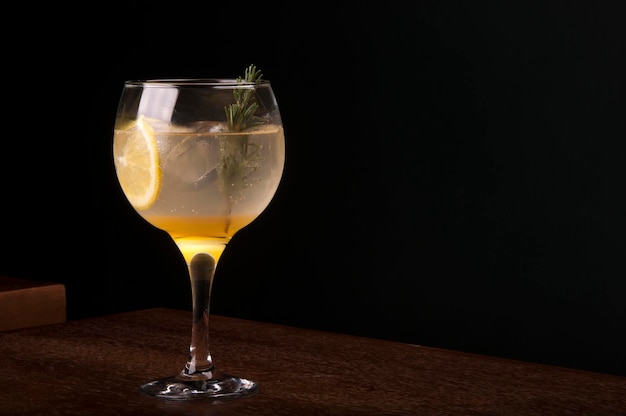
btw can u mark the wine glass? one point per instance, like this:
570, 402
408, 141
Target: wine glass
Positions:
199, 159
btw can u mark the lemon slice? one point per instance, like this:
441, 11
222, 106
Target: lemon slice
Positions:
137, 163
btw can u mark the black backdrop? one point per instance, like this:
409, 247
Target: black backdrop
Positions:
455, 170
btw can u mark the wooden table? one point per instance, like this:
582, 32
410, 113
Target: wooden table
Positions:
94, 367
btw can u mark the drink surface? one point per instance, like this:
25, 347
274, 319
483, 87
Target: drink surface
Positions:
208, 183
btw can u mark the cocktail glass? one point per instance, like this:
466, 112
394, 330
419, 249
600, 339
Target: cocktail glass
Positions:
199, 159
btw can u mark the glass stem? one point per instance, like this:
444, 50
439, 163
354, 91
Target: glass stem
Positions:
201, 272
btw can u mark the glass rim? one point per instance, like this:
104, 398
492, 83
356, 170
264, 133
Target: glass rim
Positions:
182, 82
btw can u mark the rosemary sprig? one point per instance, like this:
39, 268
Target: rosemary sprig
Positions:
240, 115
238, 155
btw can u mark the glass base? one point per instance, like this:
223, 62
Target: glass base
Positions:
224, 387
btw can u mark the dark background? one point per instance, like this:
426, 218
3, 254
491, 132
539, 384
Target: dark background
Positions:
455, 170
